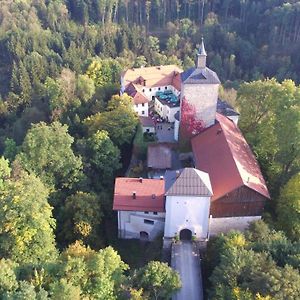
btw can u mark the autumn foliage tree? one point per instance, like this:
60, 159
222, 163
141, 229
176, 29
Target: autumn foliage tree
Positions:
189, 124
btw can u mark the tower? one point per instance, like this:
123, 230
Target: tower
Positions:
199, 95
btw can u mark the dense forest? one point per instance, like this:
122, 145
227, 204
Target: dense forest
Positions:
65, 133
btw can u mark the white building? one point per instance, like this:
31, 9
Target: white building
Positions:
188, 204
166, 109
142, 84
147, 124
149, 207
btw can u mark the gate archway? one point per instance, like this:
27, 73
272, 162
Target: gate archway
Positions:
144, 236
185, 235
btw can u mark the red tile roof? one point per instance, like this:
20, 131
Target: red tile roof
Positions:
144, 201
138, 97
154, 76
224, 154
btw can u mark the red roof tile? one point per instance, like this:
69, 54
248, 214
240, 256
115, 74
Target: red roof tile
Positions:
138, 97
144, 201
224, 154
154, 76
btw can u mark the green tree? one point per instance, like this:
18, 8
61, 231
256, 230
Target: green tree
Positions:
268, 111
85, 88
8, 279
10, 149
288, 208
103, 156
64, 290
47, 152
4, 171
158, 280
26, 291
100, 275
119, 120
82, 217
26, 222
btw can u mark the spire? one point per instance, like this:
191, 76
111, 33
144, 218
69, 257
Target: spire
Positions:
201, 56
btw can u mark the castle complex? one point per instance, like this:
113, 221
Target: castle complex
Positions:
223, 187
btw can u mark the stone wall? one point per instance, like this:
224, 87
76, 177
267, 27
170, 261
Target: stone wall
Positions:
224, 225
204, 98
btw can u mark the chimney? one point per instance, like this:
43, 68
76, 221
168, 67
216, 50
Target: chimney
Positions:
141, 179
144, 82
161, 177
133, 195
153, 196
177, 173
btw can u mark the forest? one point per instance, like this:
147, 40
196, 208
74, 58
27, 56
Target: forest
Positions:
65, 133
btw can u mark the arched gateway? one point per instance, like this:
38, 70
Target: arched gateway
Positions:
144, 236
185, 235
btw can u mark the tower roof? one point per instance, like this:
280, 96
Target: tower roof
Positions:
201, 50
190, 182
198, 76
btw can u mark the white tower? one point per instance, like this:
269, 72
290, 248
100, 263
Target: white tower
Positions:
199, 87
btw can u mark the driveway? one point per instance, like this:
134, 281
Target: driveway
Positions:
186, 261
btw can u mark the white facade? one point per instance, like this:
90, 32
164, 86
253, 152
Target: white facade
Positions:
132, 223
204, 98
176, 130
141, 109
165, 111
187, 212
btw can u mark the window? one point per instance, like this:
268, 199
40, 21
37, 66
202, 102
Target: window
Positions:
153, 97
150, 222
143, 112
147, 130
143, 90
136, 105
159, 88
166, 87
155, 212
143, 104
150, 90
146, 212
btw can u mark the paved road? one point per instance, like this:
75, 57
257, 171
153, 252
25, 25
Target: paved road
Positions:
185, 259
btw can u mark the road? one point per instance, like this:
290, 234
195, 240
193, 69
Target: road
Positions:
186, 260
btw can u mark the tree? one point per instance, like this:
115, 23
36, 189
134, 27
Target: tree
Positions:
158, 280
26, 222
119, 120
8, 279
47, 152
189, 123
268, 111
85, 87
26, 291
288, 208
82, 216
4, 171
64, 290
10, 149
99, 275
103, 156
